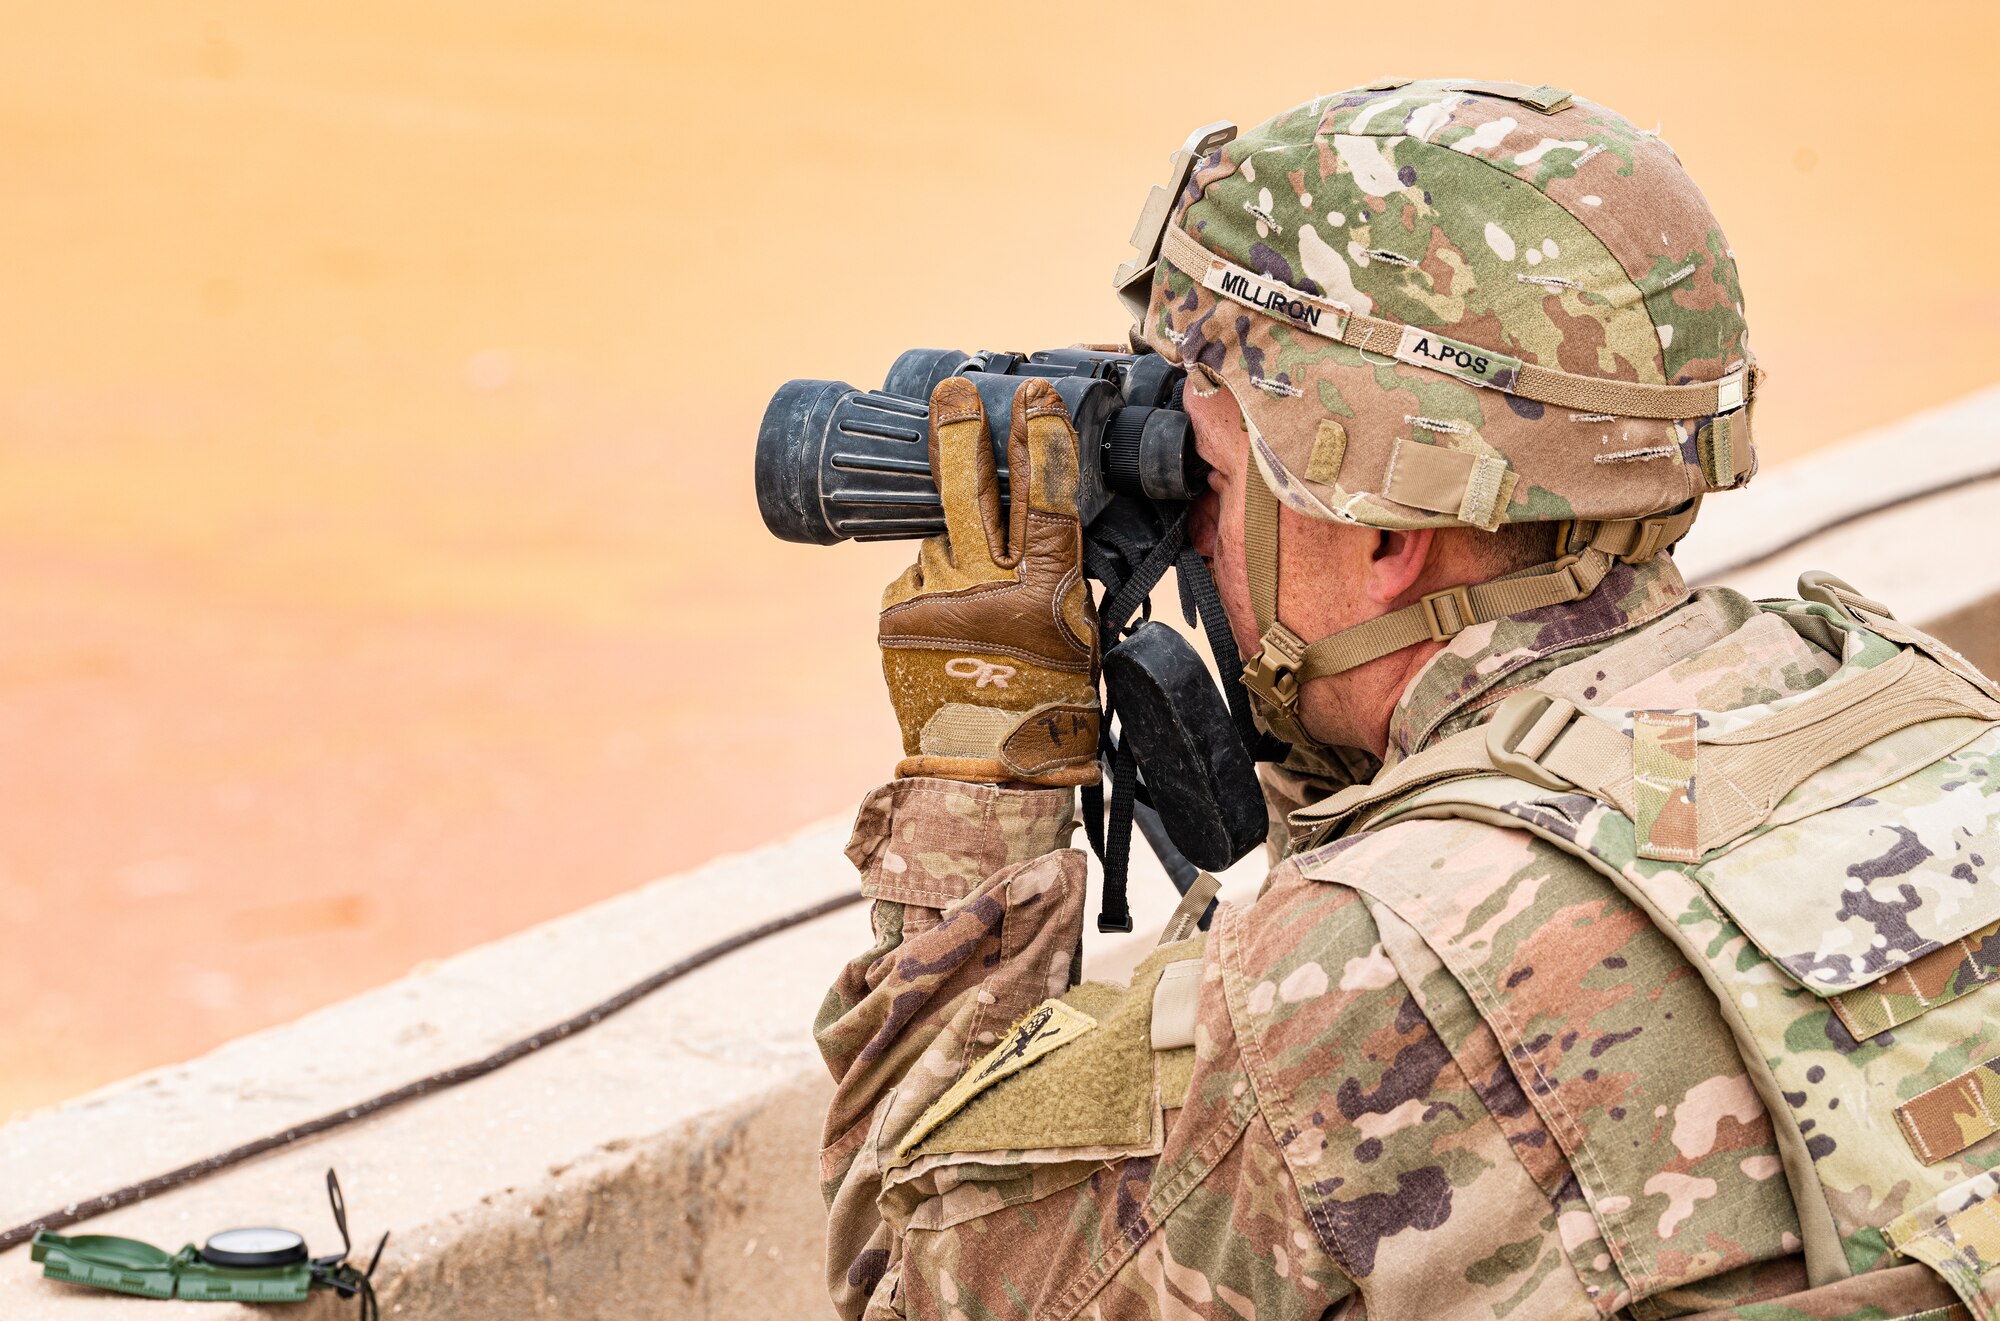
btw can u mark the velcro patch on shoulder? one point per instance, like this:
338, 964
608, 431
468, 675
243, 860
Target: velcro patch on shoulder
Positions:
1047, 1027
1664, 754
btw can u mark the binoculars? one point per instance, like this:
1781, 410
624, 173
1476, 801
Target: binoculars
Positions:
835, 463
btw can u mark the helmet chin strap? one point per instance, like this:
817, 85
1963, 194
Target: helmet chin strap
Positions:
1285, 662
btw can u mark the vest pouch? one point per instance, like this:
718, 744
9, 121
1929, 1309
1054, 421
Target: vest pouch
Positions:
1862, 892
1878, 918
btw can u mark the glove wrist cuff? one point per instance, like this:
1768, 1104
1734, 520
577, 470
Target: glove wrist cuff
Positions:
987, 770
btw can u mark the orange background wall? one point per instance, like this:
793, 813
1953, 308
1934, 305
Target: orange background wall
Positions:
378, 566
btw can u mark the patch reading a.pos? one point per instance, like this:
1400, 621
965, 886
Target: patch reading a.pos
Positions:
1047, 1027
1253, 290
1427, 348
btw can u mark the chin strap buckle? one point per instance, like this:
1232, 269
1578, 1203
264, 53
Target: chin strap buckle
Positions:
1448, 613
1272, 675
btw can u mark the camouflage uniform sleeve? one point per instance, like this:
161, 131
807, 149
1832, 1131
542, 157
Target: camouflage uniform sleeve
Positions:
977, 917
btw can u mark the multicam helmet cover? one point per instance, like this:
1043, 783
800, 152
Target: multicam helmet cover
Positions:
1454, 303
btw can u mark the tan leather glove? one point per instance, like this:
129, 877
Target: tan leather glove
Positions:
989, 641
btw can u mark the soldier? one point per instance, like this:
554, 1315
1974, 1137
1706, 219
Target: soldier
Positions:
1646, 973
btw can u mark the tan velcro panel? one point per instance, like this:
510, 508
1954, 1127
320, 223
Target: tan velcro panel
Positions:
1174, 1001
1723, 445
1545, 98
960, 729
1448, 481
1329, 448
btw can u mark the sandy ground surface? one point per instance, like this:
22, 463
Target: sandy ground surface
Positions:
378, 567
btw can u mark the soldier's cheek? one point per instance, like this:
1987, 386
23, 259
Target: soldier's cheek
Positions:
1202, 517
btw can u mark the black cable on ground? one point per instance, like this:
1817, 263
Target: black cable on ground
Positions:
436, 1082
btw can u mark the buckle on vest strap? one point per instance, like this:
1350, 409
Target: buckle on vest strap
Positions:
1521, 732
1454, 602
1273, 673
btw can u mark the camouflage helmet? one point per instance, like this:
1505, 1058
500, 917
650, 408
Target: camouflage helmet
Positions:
1454, 303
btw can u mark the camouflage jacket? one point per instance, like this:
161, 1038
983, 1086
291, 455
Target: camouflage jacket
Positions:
1514, 1095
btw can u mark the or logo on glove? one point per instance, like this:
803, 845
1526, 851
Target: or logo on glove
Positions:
989, 641
981, 672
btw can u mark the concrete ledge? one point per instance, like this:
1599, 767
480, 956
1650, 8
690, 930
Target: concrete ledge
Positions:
1926, 558
663, 1163
671, 1138
717, 1217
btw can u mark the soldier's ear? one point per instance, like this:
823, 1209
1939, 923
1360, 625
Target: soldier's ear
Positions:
1396, 563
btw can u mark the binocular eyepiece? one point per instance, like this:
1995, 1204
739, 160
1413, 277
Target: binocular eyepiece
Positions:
835, 463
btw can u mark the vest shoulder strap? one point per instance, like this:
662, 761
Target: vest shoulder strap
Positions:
1688, 794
